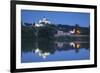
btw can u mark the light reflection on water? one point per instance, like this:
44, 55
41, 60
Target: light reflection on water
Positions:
57, 56
56, 51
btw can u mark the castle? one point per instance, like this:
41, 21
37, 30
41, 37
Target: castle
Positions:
42, 22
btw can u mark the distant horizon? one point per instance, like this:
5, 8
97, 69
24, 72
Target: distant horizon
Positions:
64, 18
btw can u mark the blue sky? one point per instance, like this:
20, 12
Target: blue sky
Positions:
69, 18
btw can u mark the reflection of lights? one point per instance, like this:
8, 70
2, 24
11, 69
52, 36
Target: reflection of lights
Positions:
37, 50
75, 45
72, 44
41, 54
60, 44
44, 55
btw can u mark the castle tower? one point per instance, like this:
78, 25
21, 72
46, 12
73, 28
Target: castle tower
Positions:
42, 22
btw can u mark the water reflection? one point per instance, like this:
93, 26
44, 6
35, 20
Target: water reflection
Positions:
43, 48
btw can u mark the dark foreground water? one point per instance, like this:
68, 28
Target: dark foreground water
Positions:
49, 50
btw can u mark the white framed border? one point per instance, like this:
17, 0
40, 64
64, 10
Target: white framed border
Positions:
20, 65
86, 2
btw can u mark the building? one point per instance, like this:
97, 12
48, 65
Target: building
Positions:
42, 22
75, 31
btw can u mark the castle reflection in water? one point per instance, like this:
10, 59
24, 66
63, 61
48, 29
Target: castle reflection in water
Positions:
45, 47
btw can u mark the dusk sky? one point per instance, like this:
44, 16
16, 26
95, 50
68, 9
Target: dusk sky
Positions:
69, 18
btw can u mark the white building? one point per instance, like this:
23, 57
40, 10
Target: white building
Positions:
42, 22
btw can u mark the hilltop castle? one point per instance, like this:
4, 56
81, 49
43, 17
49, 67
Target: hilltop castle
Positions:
42, 22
